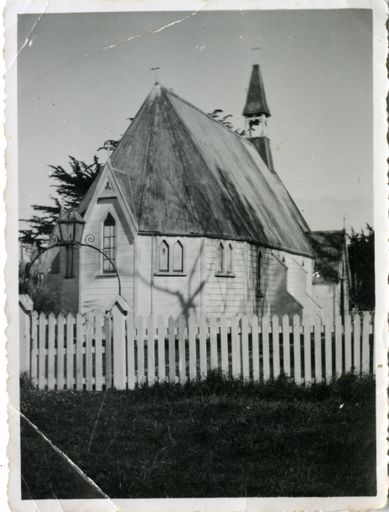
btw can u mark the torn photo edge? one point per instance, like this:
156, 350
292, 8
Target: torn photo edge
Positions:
380, 88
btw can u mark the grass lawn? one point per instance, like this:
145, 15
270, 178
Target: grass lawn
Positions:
211, 439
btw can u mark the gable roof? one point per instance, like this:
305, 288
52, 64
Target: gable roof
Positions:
329, 248
184, 173
256, 103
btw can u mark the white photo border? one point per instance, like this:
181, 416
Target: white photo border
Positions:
380, 87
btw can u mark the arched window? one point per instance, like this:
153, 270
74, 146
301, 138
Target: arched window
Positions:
220, 258
178, 257
163, 257
109, 242
229, 262
259, 274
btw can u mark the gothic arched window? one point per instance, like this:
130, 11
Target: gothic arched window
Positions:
178, 257
109, 242
220, 258
163, 257
229, 259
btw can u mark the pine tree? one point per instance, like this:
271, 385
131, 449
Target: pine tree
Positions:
361, 257
70, 187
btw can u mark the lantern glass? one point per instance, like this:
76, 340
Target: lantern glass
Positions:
71, 227
78, 230
67, 231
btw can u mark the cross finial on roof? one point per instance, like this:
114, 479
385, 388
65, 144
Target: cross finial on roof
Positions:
255, 50
155, 73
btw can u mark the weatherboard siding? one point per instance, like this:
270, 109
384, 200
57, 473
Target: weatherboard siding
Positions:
225, 295
99, 290
283, 287
167, 294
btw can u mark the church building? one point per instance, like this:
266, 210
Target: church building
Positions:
195, 218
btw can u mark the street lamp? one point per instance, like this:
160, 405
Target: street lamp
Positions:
70, 229
71, 226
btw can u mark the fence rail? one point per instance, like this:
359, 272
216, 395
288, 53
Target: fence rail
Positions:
98, 351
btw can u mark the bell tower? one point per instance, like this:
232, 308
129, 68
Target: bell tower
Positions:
257, 113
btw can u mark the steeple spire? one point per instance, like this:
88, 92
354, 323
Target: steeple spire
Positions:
256, 104
256, 112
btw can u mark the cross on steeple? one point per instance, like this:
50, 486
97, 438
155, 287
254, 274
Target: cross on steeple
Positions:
255, 55
155, 73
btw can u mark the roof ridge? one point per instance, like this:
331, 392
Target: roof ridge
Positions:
172, 93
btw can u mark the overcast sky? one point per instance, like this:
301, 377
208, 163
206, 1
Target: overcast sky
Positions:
74, 92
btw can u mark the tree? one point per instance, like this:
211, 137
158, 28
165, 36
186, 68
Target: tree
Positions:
72, 184
361, 257
70, 187
216, 114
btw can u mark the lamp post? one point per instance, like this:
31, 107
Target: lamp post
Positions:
70, 229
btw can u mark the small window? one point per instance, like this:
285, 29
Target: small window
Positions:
178, 257
229, 262
109, 243
220, 259
163, 257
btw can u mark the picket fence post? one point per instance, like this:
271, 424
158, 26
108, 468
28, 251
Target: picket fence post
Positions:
57, 355
60, 352
255, 349
119, 346
25, 310
131, 352
51, 352
245, 348
235, 344
266, 347
161, 351
276, 346
99, 325
307, 351
181, 350
318, 345
297, 349
365, 342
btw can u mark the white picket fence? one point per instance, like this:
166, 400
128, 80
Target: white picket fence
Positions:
98, 351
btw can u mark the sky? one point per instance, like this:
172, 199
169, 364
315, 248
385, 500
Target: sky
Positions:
81, 76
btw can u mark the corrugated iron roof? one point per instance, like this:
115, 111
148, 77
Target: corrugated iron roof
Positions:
329, 248
184, 173
256, 103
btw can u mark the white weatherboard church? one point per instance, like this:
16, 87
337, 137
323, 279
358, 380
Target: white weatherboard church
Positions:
196, 219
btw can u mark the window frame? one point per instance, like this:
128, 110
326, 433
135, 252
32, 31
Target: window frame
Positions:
163, 243
222, 250
229, 261
179, 244
112, 249
171, 244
